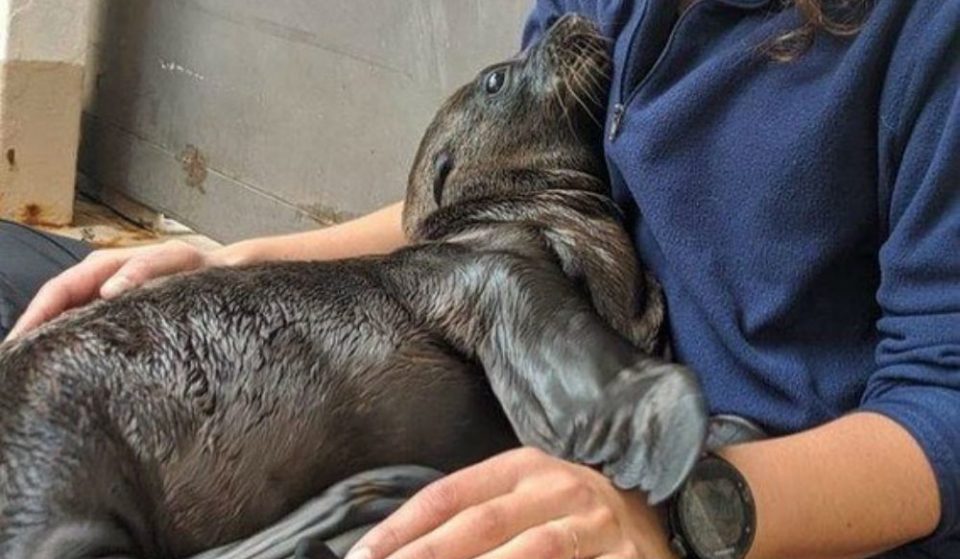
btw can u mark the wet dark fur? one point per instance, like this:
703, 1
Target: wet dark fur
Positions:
203, 408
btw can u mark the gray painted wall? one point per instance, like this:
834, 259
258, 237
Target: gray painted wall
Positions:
251, 117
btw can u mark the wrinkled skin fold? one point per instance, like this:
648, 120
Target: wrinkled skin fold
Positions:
201, 409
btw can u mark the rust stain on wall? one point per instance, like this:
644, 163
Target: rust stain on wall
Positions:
31, 214
37, 215
194, 164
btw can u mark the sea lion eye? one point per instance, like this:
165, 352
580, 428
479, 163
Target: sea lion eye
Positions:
495, 81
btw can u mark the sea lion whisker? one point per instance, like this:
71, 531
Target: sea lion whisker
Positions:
577, 65
585, 90
597, 82
598, 75
592, 37
586, 107
582, 54
596, 58
566, 114
562, 102
593, 52
587, 65
579, 79
589, 84
572, 88
601, 70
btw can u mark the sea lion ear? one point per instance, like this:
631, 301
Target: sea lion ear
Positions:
442, 165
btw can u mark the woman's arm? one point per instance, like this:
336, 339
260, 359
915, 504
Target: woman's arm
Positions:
108, 273
377, 233
850, 489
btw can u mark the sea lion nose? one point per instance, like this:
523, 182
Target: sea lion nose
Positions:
570, 19
573, 35
572, 23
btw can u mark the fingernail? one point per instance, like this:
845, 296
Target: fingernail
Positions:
361, 553
115, 286
15, 332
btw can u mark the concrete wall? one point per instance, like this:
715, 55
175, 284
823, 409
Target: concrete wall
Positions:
245, 117
42, 47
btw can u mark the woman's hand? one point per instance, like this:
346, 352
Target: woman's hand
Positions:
520, 505
108, 273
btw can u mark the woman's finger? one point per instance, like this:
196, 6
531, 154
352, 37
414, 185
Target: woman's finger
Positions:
169, 258
572, 537
486, 526
444, 499
106, 273
74, 287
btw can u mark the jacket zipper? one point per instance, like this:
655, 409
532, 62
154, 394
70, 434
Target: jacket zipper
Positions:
616, 120
620, 108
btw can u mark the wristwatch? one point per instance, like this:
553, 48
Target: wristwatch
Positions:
713, 516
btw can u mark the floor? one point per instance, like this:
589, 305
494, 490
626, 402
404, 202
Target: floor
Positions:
103, 227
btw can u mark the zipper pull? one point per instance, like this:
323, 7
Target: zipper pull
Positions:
616, 120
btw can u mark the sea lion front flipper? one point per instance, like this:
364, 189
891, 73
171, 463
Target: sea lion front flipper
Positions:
568, 383
576, 389
648, 430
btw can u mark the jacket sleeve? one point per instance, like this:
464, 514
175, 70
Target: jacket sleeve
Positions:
917, 379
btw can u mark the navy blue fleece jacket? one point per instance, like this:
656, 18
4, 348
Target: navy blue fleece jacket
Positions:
804, 217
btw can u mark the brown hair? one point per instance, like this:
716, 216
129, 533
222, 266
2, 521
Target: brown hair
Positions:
840, 18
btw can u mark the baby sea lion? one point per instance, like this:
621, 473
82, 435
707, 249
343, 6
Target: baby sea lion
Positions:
202, 408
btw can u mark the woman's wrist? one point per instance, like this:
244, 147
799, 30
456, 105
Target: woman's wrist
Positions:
858, 486
655, 540
377, 233
241, 253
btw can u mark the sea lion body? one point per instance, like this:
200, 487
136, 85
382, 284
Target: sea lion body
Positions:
204, 407
259, 396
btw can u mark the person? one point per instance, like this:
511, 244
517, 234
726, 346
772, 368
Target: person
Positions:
791, 173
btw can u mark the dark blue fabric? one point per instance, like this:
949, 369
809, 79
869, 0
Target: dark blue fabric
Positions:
804, 217
28, 258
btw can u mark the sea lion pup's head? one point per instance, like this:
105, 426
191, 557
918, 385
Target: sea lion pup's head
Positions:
530, 123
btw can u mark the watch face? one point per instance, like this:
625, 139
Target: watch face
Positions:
716, 512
